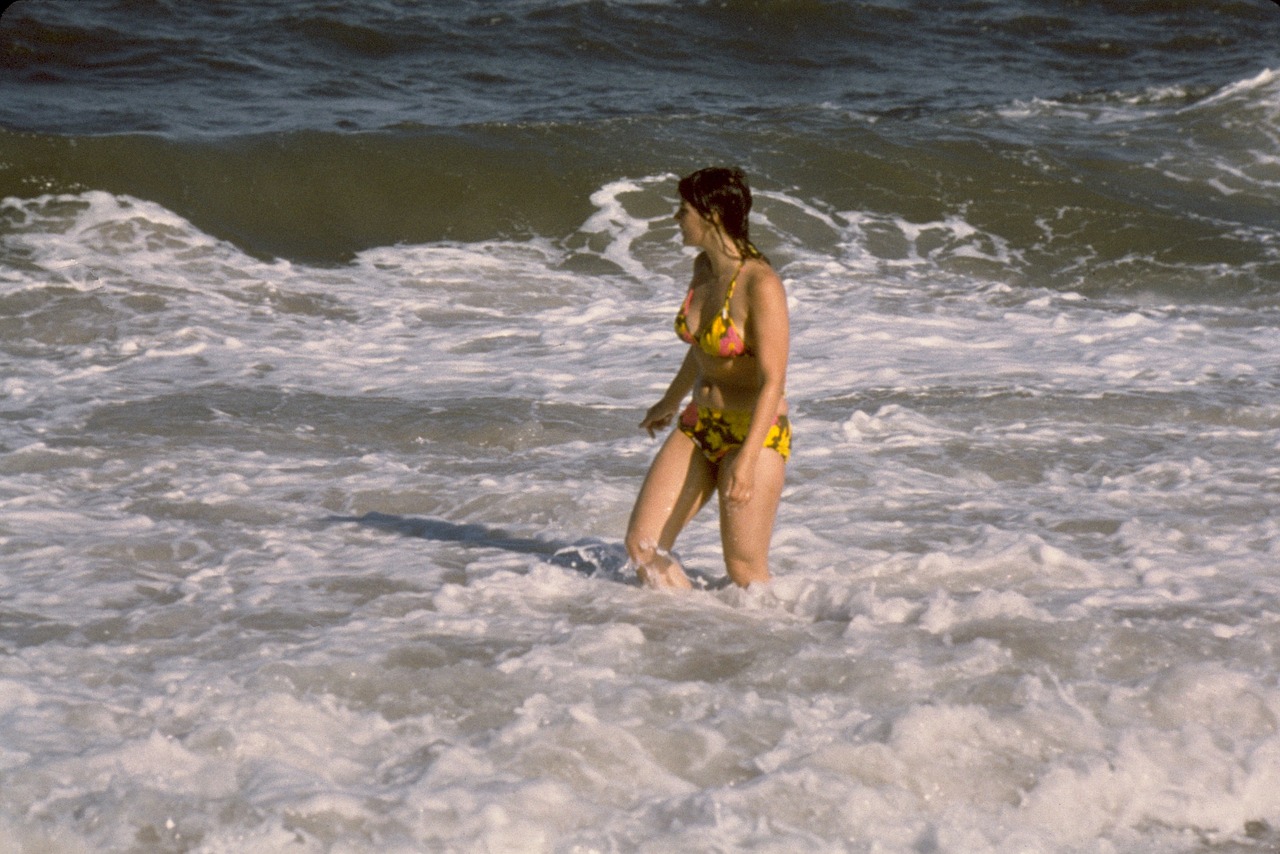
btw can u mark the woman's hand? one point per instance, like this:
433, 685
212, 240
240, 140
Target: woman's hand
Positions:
658, 417
741, 480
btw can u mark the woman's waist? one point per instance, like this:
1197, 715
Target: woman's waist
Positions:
730, 399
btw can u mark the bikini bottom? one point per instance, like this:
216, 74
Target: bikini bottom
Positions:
720, 431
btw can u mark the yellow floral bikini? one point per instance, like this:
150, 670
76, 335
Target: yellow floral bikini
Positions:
721, 337
720, 431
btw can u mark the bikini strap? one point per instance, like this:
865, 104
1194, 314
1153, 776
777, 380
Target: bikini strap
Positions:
728, 294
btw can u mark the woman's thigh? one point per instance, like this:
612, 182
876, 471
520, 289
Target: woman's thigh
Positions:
746, 529
680, 481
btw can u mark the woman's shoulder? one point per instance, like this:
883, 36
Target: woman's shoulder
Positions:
760, 277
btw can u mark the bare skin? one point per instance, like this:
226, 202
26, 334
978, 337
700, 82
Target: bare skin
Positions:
748, 482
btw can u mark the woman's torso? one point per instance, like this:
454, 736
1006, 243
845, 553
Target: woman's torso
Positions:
717, 323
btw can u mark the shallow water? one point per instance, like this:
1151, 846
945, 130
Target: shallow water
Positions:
317, 443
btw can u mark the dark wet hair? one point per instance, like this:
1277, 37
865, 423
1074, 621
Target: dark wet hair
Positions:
724, 191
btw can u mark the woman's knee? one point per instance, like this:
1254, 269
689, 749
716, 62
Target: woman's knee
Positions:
746, 553
640, 546
745, 572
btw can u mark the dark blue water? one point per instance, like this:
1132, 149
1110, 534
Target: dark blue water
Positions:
95, 66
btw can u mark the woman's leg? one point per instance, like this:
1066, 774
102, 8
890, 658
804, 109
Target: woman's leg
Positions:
746, 529
679, 482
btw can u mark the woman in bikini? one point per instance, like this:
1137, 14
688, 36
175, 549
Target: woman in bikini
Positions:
733, 439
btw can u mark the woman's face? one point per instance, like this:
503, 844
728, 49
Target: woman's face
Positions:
693, 225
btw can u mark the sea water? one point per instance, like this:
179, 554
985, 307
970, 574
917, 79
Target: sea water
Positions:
318, 440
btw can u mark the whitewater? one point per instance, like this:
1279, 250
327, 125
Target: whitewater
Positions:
329, 558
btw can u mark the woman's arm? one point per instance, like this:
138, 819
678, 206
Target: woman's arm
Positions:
771, 334
661, 413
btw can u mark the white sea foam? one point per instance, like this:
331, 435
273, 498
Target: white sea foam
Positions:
328, 559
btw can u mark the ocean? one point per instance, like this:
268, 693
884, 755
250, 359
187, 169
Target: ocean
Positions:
325, 332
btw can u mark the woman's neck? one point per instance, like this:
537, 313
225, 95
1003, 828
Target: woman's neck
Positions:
724, 263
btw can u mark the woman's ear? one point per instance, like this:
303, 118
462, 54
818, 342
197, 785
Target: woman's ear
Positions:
726, 242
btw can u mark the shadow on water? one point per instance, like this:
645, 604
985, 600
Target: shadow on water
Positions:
591, 557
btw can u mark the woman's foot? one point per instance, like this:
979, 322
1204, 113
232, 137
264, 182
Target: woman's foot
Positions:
663, 572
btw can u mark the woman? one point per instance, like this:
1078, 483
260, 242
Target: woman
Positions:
733, 439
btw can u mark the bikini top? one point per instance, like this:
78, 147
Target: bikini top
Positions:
721, 337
